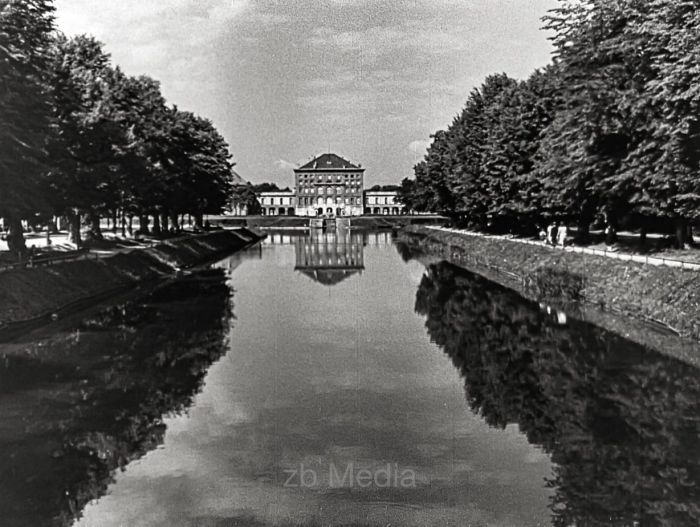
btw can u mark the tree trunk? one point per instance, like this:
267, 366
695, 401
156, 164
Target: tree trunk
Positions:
583, 230
690, 238
15, 235
681, 232
130, 225
74, 227
199, 221
164, 222
174, 221
95, 231
143, 224
643, 237
156, 224
115, 220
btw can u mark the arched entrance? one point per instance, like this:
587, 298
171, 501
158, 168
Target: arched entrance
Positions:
329, 211
319, 212
395, 211
368, 210
290, 211
386, 211
377, 210
281, 211
338, 211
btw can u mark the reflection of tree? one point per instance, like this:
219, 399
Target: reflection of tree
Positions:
133, 365
621, 423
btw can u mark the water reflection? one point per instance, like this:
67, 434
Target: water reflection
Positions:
329, 257
315, 383
621, 423
77, 406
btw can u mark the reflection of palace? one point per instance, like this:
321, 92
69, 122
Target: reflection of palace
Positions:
329, 257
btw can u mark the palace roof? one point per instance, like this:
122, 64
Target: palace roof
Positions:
329, 162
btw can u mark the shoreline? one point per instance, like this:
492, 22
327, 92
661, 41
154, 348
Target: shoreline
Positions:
627, 298
32, 297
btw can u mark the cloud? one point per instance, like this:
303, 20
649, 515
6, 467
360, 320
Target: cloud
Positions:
285, 165
176, 42
419, 146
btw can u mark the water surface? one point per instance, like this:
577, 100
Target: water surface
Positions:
261, 392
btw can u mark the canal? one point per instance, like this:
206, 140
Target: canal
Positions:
339, 380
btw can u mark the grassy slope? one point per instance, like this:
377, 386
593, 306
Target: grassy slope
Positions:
668, 295
29, 293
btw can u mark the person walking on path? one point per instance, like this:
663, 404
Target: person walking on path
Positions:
562, 232
550, 234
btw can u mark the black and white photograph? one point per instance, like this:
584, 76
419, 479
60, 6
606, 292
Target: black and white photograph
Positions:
349, 263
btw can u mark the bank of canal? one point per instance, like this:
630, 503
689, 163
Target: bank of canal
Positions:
321, 380
642, 302
30, 295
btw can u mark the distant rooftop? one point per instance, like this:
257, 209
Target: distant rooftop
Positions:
329, 162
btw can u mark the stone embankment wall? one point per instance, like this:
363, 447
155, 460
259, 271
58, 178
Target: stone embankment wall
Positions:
29, 294
661, 295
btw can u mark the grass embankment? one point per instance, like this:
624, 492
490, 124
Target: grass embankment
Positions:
667, 295
28, 294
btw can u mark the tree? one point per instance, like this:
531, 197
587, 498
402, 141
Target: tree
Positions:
25, 28
90, 142
513, 123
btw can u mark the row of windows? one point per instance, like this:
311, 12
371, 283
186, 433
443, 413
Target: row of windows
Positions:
276, 201
305, 202
342, 185
380, 200
328, 177
329, 190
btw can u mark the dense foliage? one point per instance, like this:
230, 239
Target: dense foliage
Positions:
610, 130
81, 139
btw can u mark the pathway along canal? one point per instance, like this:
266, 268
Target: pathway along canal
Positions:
321, 381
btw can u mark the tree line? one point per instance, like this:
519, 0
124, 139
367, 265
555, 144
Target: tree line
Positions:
81, 139
608, 133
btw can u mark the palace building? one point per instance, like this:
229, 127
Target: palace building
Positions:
329, 184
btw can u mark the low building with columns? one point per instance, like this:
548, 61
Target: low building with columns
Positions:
384, 202
279, 203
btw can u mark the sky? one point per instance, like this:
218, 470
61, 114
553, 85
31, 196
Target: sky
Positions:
284, 80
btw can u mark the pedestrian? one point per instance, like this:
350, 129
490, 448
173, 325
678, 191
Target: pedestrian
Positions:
562, 233
550, 234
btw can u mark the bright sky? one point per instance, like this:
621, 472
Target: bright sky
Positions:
284, 80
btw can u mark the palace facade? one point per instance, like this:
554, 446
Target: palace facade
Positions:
329, 185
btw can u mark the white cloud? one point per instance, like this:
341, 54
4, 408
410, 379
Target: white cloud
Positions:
176, 42
285, 165
419, 146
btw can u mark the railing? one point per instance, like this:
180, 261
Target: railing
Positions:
650, 260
